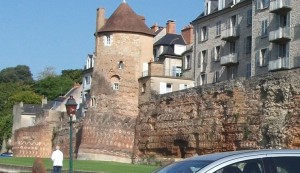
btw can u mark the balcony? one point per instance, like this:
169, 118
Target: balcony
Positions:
281, 35
231, 34
282, 63
231, 59
280, 6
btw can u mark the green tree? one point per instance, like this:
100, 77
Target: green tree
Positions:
9, 95
28, 97
53, 86
20, 73
75, 75
47, 72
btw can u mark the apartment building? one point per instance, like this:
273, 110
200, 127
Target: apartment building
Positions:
222, 46
244, 38
87, 99
164, 73
275, 31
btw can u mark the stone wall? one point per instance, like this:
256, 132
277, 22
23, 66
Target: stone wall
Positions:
262, 112
34, 141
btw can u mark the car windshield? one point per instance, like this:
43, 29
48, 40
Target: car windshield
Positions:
188, 166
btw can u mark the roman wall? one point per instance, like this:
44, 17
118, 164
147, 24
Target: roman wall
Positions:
262, 112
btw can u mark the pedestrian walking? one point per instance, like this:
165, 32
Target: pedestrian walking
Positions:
57, 158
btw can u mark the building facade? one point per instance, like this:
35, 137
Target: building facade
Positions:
244, 38
123, 45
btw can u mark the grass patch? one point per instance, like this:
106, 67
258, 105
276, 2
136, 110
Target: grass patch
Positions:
84, 165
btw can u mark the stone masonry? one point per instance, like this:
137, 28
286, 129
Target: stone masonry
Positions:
262, 112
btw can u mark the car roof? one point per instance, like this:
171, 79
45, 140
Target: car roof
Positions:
241, 153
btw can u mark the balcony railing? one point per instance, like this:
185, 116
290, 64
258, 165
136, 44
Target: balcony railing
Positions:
230, 59
280, 6
231, 34
280, 35
281, 63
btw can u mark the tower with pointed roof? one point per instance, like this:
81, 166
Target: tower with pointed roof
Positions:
123, 47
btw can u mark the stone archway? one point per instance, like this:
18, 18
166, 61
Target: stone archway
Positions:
180, 146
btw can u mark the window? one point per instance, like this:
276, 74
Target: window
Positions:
168, 87
143, 88
249, 17
262, 57
115, 82
216, 76
286, 164
177, 71
121, 65
232, 73
216, 53
32, 121
262, 4
204, 33
283, 50
107, 39
232, 48
87, 80
247, 166
165, 88
115, 86
183, 86
203, 60
264, 28
248, 42
248, 70
187, 62
218, 28
199, 34
199, 59
203, 79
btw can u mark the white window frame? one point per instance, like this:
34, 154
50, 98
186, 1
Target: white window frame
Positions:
116, 86
107, 39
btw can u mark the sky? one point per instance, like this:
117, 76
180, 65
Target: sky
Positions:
59, 33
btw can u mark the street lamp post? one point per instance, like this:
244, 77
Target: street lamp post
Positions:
71, 106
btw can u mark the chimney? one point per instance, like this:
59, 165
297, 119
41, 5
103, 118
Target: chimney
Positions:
171, 27
188, 34
100, 22
154, 27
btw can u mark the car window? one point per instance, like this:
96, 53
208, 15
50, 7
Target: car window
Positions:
287, 164
248, 166
189, 166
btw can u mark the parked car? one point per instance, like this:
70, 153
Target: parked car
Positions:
247, 161
6, 154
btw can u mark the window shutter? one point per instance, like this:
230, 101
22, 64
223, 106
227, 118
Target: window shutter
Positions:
257, 58
213, 54
262, 27
267, 56
258, 4
288, 20
207, 33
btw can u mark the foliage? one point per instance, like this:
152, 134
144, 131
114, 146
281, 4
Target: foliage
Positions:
28, 97
47, 72
53, 86
75, 75
20, 74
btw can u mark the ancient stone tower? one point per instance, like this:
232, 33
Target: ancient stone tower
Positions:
124, 45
